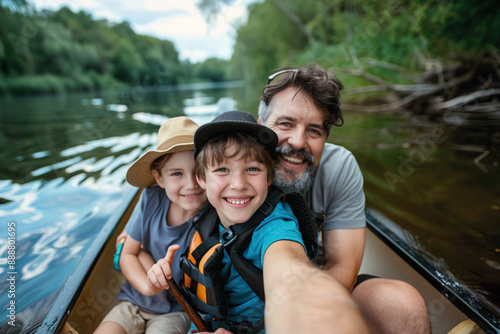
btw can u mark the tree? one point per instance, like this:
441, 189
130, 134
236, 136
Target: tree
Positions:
212, 69
127, 62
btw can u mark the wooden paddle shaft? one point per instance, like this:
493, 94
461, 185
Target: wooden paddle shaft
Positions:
195, 317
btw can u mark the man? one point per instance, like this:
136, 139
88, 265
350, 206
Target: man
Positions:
301, 106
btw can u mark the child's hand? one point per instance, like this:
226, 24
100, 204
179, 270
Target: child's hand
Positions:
160, 272
119, 238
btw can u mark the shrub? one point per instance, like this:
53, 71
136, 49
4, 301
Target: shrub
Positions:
32, 84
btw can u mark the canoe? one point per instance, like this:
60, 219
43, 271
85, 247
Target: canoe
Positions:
452, 309
90, 292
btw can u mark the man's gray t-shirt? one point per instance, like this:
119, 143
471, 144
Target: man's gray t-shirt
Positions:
337, 190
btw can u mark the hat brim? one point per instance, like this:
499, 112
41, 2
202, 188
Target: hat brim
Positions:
140, 175
264, 135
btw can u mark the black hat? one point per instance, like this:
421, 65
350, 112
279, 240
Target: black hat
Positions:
236, 121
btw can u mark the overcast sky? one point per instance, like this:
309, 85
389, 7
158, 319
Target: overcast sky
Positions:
179, 21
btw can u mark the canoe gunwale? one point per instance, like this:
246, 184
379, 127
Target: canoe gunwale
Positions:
447, 286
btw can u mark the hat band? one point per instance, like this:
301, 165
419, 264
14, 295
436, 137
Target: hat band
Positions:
173, 142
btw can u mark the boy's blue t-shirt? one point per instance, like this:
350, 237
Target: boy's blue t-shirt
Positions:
148, 225
243, 303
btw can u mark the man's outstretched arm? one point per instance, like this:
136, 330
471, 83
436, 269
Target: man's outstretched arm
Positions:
301, 298
343, 250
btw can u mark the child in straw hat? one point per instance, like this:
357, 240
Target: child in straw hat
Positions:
171, 201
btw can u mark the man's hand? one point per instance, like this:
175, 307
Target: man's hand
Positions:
161, 272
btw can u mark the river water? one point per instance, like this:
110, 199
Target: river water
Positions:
64, 159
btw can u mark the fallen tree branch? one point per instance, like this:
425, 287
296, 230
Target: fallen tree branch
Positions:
490, 107
422, 89
369, 77
403, 71
466, 99
364, 89
389, 107
437, 94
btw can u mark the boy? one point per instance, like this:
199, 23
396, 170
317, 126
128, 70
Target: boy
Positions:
162, 217
235, 165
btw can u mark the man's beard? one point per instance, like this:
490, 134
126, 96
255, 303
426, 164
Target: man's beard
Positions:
302, 182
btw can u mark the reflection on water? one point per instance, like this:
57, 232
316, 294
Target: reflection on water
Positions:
62, 175
64, 164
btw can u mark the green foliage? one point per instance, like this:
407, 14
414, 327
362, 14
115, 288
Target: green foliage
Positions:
340, 33
49, 83
46, 83
212, 69
57, 52
2, 50
126, 62
64, 51
459, 26
84, 53
269, 40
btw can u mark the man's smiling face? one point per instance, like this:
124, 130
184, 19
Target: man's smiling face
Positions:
302, 136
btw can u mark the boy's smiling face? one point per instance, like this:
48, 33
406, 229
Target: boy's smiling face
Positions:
236, 187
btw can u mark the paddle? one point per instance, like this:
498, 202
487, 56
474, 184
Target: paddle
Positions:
174, 288
195, 317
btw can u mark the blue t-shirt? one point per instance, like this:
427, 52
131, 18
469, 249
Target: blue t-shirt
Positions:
243, 303
148, 225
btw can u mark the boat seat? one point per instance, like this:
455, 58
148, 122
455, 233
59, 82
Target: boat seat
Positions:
67, 329
466, 327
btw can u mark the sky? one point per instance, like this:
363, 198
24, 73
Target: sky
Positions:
179, 21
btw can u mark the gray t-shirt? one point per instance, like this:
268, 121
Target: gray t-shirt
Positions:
337, 190
148, 225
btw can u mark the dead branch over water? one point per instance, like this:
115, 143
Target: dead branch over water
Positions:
470, 87
463, 96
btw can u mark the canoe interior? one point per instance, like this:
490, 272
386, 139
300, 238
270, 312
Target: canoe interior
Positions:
381, 261
383, 257
387, 255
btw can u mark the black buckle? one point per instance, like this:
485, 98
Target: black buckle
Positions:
244, 327
319, 219
227, 236
266, 208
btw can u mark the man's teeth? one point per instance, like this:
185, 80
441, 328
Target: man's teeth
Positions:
238, 202
292, 159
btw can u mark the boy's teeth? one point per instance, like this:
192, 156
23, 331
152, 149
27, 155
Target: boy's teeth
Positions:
291, 159
238, 202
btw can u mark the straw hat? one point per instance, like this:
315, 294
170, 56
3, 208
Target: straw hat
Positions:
175, 135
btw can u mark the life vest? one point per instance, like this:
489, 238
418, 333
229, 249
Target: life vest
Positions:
201, 261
